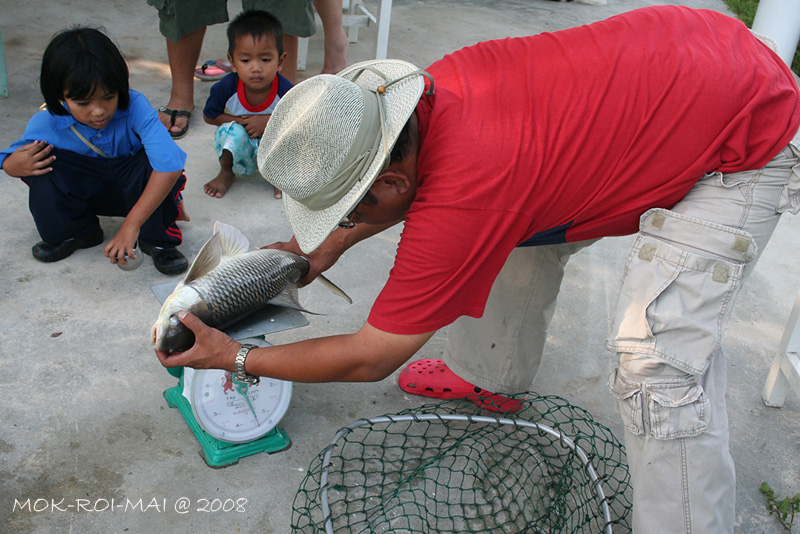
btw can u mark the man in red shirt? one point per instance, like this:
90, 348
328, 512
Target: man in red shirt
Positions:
675, 122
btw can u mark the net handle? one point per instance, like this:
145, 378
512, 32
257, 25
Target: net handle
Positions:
401, 418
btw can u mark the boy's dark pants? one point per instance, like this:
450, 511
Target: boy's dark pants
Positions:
65, 202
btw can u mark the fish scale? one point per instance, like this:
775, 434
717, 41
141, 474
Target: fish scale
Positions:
245, 283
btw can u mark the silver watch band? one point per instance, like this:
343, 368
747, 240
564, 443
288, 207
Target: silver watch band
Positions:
238, 367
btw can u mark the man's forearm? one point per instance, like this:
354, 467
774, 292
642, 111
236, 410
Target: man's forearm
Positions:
328, 253
347, 237
366, 356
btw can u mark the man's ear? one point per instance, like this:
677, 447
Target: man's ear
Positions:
393, 180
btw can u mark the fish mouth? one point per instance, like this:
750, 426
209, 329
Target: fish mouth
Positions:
172, 337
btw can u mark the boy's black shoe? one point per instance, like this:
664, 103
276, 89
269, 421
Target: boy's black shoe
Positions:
48, 252
167, 260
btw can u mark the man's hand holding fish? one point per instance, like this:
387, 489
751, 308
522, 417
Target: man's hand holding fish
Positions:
212, 349
368, 355
328, 253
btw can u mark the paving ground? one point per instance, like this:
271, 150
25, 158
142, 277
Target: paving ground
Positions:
83, 412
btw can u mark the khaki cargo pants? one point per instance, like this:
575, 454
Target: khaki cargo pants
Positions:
683, 273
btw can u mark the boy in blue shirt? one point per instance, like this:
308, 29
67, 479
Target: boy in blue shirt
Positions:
98, 149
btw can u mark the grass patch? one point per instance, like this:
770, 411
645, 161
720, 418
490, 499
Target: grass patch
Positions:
745, 10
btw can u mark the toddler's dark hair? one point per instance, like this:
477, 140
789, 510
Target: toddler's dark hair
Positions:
77, 62
257, 24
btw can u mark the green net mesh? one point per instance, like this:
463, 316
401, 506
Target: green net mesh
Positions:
452, 467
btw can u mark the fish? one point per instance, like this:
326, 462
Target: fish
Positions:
227, 282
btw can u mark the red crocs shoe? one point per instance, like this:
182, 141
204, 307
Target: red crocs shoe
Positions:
432, 378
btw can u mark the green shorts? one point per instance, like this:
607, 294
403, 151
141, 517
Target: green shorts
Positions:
180, 17
296, 16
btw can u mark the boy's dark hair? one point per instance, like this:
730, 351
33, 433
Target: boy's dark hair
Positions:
257, 24
79, 61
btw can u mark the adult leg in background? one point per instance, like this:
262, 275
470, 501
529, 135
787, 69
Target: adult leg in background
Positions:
183, 24
182, 55
336, 41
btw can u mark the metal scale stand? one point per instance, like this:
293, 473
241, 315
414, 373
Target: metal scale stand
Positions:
210, 401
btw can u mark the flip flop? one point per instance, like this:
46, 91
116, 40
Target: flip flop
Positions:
432, 378
174, 114
214, 69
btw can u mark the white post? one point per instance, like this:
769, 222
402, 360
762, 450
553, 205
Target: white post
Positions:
384, 19
302, 52
780, 20
784, 375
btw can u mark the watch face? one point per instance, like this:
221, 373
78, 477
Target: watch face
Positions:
235, 412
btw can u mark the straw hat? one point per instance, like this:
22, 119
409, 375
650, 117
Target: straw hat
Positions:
329, 138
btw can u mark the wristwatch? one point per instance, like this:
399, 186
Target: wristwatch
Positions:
238, 367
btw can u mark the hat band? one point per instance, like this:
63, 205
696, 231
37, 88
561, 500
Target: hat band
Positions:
363, 151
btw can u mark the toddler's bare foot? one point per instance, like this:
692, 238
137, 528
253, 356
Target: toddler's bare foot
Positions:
277, 192
219, 185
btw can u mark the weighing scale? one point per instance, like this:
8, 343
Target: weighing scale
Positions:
230, 419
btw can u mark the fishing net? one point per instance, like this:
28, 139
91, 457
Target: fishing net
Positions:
450, 467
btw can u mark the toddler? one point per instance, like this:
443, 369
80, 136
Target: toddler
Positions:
242, 102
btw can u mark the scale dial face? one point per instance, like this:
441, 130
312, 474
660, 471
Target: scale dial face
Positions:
234, 412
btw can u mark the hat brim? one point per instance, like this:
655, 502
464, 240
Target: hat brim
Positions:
312, 227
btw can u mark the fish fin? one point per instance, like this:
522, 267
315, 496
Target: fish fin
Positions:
206, 260
334, 288
227, 241
232, 241
288, 299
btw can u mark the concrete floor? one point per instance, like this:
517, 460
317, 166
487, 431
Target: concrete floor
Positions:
83, 411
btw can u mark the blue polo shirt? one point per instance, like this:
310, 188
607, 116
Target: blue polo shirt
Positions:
127, 133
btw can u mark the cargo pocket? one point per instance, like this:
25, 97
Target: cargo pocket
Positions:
627, 402
679, 284
790, 194
677, 410
671, 409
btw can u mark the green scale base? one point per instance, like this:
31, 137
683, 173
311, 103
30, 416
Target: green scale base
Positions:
218, 453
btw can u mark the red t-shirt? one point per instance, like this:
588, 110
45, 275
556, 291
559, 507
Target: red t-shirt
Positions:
572, 135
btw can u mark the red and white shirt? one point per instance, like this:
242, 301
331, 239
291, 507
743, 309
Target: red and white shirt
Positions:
227, 96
